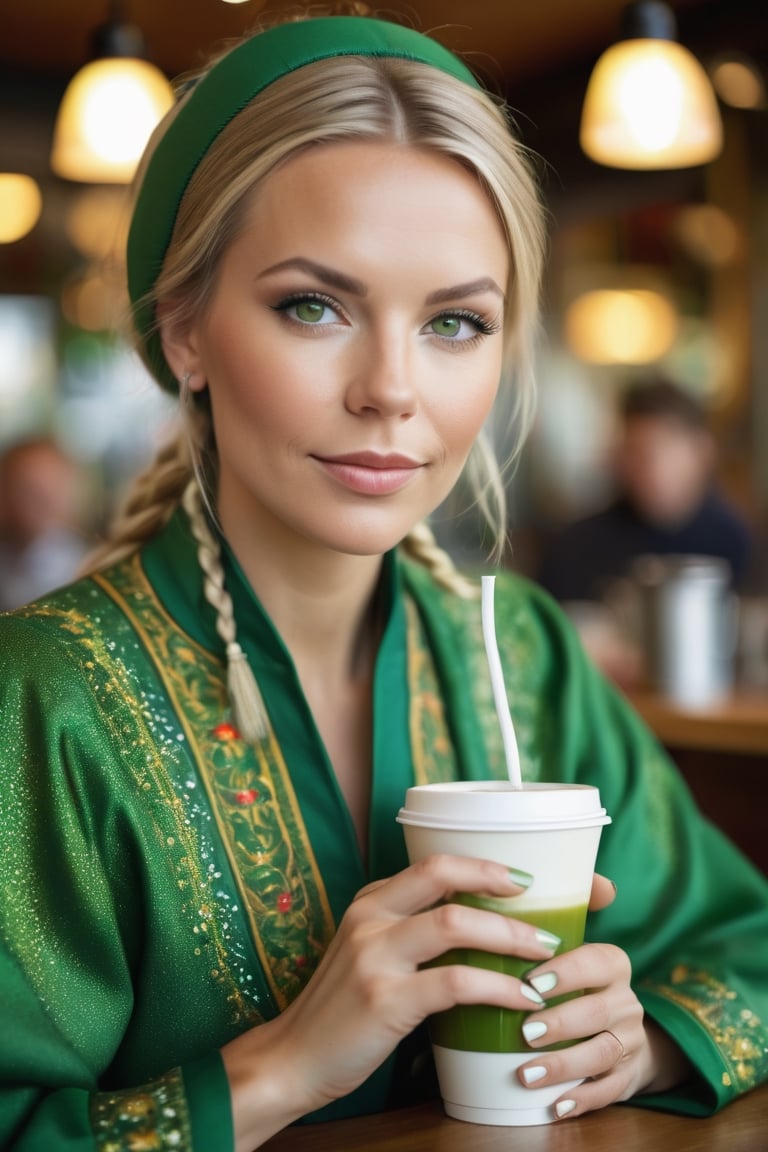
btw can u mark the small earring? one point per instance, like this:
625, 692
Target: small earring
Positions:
184, 382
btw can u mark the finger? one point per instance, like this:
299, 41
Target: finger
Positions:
590, 966
437, 877
601, 1055
603, 892
593, 1095
601, 1062
449, 926
437, 989
584, 1017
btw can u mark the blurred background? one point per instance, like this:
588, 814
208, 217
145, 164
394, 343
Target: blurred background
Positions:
658, 264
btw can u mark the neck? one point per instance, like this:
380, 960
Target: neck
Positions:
322, 603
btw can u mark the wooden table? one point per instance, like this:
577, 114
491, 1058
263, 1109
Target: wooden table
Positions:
738, 724
722, 752
741, 1127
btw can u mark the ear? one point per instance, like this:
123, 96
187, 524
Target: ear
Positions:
179, 339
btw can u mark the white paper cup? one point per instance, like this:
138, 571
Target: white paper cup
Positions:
551, 831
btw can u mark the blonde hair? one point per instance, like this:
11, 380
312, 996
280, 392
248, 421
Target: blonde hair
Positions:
336, 99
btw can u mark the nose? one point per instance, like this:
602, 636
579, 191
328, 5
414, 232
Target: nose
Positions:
382, 378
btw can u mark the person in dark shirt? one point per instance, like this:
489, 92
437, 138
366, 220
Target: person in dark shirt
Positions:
667, 502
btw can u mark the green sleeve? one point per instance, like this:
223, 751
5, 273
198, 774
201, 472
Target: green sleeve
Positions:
71, 923
691, 910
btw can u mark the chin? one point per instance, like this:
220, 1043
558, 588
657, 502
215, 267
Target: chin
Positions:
355, 539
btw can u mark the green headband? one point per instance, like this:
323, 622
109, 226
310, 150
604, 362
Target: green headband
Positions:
215, 100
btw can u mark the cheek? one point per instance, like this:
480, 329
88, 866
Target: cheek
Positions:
461, 417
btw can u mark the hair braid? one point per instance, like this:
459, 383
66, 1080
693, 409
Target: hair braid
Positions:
148, 506
420, 545
248, 708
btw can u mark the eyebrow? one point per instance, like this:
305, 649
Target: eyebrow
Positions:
471, 288
326, 275
335, 279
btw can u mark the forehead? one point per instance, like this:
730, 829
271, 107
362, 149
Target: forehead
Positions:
360, 196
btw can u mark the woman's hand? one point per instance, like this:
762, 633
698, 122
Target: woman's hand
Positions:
370, 991
621, 1053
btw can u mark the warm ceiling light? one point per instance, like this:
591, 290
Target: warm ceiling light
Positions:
20, 206
109, 109
738, 82
621, 326
649, 103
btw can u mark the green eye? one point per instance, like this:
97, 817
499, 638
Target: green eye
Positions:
446, 326
310, 311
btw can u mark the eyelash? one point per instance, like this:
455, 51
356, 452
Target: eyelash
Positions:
302, 298
484, 327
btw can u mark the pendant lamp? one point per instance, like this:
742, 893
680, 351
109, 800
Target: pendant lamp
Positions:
110, 107
649, 103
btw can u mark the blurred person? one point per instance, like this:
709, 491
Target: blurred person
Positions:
41, 545
666, 501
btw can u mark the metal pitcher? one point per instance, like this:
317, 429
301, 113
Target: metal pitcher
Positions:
688, 626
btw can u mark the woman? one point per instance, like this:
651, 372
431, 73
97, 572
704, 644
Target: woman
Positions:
209, 927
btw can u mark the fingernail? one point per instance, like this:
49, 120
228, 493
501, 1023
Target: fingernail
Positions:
548, 939
523, 879
613, 885
564, 1107
534, 1073
532, 995
534, 1030
544, 983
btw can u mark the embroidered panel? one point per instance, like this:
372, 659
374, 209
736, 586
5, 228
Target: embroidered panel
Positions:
433, 755
152, 750
251, 795
738, 1032
152, 1118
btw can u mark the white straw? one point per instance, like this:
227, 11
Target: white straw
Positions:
497, 682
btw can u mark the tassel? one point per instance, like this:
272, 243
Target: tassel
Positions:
248, 709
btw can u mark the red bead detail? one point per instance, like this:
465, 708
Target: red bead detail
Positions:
226, 731
246, 796
284, 902
301, 961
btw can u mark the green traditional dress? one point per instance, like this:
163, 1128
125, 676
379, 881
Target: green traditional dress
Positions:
166, 886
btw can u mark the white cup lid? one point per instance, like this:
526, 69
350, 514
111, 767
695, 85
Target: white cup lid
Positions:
498, 805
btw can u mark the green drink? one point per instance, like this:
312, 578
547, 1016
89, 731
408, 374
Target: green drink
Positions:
552, 832
485, 1027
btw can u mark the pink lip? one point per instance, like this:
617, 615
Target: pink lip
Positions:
370, 473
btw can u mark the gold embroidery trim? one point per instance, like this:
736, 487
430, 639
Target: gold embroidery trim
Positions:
107, 676
431, 747
737, 1031
270, 854
153, 1117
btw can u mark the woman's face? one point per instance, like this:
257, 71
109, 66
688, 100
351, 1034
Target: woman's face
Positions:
352, 347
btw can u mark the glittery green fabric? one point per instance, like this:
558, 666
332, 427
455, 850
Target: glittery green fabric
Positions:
163, 886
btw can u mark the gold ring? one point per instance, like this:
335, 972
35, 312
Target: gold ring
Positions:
622, 1052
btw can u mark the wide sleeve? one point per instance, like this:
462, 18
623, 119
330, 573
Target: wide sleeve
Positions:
691, 910
72, 918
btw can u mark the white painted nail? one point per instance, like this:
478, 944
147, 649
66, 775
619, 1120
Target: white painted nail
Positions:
544, 983
534, 1073
534, 1030
564, 1108
532, 995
